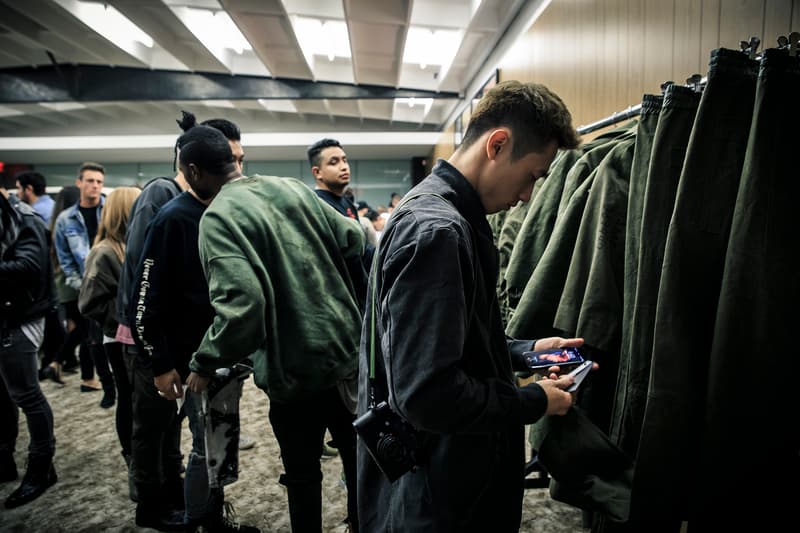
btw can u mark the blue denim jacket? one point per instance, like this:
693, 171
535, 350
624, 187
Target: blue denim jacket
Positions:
72, 243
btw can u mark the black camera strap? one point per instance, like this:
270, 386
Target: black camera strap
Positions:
373, 281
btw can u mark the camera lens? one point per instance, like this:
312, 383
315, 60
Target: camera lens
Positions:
390, 448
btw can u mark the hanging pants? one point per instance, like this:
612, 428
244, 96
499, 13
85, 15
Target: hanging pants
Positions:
752, 430
667, 155
688, 293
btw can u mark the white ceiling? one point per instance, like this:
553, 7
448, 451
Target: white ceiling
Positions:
378, 32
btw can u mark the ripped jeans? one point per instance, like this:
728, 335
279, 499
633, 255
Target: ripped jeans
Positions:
202, 501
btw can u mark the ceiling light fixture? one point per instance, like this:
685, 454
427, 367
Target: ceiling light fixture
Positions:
425, 47
412, 102
214, 29
109, 23
324, 38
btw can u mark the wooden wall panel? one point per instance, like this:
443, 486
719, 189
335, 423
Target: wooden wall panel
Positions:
636, 39
739, 20
659, 28
709, 31
777, 21
600, 56
796, 15
686, 40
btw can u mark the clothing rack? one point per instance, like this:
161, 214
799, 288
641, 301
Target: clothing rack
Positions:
632, 111
695, 81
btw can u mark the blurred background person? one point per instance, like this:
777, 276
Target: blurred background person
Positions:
75, 230
31, 189
27, 290
63, 358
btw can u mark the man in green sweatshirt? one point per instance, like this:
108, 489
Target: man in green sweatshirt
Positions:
283, 271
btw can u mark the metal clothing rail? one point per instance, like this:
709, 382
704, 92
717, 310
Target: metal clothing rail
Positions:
696, 82
632, 111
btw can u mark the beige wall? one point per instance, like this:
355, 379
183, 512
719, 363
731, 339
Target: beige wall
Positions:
600, 56
444, 148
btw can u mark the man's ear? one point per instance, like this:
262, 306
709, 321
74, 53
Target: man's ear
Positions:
315, 171
78, 182
498, 140
194, 172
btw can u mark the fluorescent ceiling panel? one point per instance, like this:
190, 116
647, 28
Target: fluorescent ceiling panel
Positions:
324, 38
227, 104
432, 47
278, 105
109, 23
215, 30
425, 103
63, 106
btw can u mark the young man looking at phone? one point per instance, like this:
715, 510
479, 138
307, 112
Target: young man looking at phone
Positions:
444, 363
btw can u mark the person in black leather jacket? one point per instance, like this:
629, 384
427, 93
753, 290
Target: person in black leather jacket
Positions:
27, 295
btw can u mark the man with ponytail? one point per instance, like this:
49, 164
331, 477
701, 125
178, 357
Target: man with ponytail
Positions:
171, 312
155, 443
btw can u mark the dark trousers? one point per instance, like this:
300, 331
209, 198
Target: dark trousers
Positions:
54, 336
757, 314
688, 294
78, 336
98, 354
299, 427
124, 416
19, 389
645, 133
667, 155
156, 438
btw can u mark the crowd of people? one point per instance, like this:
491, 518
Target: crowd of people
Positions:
177, 291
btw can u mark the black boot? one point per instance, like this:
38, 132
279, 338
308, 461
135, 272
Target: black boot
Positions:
39, 476
8, 468
153, 513
109, 397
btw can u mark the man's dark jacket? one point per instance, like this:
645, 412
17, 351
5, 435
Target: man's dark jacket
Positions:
445, 365
26, 274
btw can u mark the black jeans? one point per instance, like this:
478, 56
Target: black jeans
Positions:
98, 353
19, 389
299, 427
54, 336
156, 438
79, 335
124, 416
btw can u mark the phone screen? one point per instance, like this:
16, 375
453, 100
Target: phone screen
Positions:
554, 357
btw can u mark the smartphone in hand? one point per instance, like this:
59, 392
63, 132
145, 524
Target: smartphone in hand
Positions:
544, 359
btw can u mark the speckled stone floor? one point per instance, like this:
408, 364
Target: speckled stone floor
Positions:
91, 494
